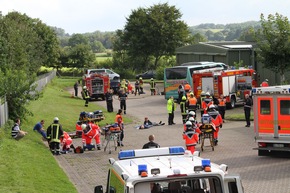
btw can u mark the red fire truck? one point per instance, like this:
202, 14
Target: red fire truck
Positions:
97, 84
233, 84
271, 109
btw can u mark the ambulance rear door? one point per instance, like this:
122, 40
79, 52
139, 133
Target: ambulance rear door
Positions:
283, 123
264, 116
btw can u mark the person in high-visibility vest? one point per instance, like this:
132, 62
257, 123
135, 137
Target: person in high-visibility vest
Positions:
119, 122
190, 137
86, 95
54, 132
217, 120
192, 101
183, 109
66, 142
171, 107
152, 86
206, 103
264, 83
141, 85
222, 106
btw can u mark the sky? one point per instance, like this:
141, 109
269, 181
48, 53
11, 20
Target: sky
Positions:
81, 16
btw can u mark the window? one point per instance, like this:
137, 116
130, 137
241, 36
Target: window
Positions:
209, 184
285, 107
176, 73
265, 107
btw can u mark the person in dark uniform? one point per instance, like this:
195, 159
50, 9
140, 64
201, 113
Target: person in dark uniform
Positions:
109, 100
247, 109
54, 132
151, 143
76, 86
122, 98
86, 95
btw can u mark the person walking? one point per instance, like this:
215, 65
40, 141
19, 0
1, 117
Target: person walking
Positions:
183, 109
109, 100
190, 137
217, 120
137, 85
16, 131
141, 85
222, 106
152, 86
76, 87
247, 109
120, 123
54, 132
180, 92
151, 143
192, 101
171, 106
123, 98
86, 95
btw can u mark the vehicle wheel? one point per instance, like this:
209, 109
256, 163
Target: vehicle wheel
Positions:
232, 104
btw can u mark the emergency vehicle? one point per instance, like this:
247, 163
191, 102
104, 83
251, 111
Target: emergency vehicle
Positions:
97, 84
232, 84
271, 109
168, 169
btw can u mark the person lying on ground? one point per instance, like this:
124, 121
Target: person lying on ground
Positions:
147, 124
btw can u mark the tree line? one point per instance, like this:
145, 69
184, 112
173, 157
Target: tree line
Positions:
148, 41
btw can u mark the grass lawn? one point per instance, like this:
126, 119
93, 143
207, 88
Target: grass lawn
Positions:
27, 166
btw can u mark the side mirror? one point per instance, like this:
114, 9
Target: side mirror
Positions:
98, 189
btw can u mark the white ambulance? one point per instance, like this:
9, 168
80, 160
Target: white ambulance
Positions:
168, 170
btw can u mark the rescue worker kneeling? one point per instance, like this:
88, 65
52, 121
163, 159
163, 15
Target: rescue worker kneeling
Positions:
190, 137
91, 131
217, 120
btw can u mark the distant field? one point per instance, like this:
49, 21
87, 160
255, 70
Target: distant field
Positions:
100, 57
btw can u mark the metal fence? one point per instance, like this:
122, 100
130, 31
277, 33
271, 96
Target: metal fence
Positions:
41, 82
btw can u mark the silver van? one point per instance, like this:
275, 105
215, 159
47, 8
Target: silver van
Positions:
113, 75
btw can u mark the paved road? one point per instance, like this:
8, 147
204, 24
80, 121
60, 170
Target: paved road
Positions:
259, 174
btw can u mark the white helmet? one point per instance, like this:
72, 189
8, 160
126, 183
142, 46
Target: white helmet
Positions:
191, 119
55, 119
207, 94
84, 126
192, 113
188, 123
211, 106
84, 87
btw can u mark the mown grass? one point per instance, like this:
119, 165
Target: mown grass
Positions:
238, 117
27, 166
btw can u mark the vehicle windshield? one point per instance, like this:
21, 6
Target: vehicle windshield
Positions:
196, 185
176, 73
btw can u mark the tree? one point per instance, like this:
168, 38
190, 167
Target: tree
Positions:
274, 43
154, 32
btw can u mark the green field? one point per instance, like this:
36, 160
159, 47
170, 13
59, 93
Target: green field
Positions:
27, 166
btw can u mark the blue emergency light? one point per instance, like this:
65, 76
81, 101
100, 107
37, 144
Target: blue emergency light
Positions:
176, 150
205, 163
126, 154
254, 90
142, 168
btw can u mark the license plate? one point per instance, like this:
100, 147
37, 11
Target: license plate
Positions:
278, 145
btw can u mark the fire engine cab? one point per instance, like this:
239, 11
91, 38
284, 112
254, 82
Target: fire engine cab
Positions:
271, 107
232, 84
97, 84
167, 170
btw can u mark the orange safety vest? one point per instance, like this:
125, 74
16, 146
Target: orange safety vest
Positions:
187, 87
192, 101
119, 119
222, 102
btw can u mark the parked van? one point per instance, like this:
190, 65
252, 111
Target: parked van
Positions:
113, 75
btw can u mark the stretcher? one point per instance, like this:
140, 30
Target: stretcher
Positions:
112, 135
207, 131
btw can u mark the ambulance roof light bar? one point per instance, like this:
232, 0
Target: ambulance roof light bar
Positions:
272, 90
130, 154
